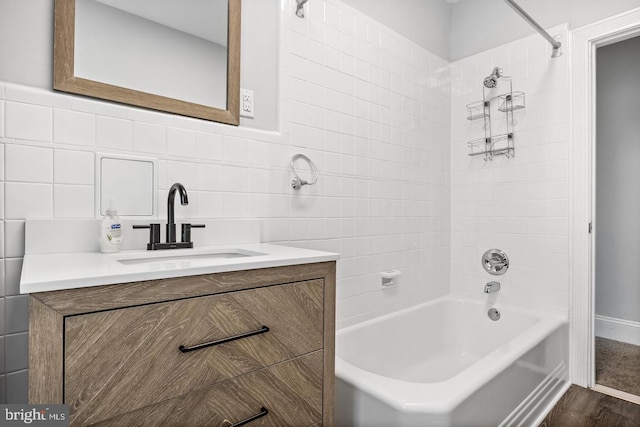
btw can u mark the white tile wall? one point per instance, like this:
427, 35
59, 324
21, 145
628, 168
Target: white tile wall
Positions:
519, 205
369, 107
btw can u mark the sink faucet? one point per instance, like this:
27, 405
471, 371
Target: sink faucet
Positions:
491, 287
154, 229
184, 201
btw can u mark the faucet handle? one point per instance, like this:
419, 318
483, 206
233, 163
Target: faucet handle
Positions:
154, 234
186, 231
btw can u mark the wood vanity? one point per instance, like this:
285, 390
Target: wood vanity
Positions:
212, 349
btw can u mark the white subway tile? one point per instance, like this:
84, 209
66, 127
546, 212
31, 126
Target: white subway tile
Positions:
149, 138
13, 239
183, 172
73, 201
73, 127
27, 121
182, 142
12, 268
235, 150
210, 146
28, 164
235, 179
23, 200
210, 177
1, 118
2, 161
235, 205
74, 167
114, 133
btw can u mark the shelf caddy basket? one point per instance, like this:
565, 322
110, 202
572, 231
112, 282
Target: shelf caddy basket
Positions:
502, 143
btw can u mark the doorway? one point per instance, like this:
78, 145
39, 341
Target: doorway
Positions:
617, 210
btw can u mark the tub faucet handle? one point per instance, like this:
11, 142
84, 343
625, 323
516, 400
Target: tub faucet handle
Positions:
491, 287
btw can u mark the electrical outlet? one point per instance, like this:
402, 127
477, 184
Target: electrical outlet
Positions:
246, 103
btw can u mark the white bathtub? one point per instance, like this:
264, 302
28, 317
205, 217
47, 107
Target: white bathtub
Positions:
445, 363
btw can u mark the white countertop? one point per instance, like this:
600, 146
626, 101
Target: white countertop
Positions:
57, 271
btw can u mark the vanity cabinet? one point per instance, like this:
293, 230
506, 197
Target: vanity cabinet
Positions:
214, 349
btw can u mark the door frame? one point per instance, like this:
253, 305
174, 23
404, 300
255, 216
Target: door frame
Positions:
582, 179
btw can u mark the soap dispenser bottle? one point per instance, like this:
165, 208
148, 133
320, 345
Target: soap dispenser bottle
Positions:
111, 232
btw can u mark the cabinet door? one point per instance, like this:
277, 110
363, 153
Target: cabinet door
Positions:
120, 360
286, 394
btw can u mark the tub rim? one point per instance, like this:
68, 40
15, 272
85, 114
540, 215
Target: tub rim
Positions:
443, 396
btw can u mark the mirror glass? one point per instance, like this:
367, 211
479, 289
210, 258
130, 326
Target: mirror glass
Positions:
172, 48
180, 56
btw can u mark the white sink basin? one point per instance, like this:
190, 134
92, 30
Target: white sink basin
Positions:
174, 255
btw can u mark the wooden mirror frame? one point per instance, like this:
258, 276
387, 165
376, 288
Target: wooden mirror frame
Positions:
65, 80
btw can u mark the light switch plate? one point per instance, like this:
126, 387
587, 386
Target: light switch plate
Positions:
246, 103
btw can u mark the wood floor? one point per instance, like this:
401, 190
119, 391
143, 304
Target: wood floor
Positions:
580, 407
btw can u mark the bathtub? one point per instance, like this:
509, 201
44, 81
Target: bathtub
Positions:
445, 363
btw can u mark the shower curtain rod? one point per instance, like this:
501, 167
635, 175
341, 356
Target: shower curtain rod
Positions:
555, 43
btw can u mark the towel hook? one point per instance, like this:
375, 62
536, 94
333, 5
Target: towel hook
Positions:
298, 182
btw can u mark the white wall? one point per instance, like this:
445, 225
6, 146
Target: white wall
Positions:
425, 22
519, 205
122, 49
478, 25
618, 175
369, 107
26, 51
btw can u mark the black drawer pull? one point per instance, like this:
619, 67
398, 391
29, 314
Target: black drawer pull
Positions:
263, 411
222, 341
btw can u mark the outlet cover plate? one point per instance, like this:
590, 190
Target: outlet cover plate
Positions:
246, 103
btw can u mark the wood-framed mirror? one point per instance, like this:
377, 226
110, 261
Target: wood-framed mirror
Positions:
158, 54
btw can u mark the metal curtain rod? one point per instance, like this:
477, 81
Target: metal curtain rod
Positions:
555, 43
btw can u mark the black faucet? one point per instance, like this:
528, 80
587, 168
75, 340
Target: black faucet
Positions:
154, 229
184, 201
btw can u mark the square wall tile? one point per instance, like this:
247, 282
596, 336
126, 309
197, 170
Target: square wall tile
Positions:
2, 281
2, 161
114, 133
16, 314
2, 361
210, 146
73, 127
2, 317
73, 201
18, 387
28, 200
26, 121
25, 163
73, 167
1, 119
182, 142
12, 271
16, 352
3, 389
14, 239
148, 138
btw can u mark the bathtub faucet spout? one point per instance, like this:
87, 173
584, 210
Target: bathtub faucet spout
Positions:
491, 287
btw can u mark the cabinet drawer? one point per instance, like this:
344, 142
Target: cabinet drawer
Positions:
291, 393
121, 360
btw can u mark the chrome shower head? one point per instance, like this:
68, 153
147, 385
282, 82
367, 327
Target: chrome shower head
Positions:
492, 81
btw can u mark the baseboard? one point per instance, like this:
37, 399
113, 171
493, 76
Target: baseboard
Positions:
618, 329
